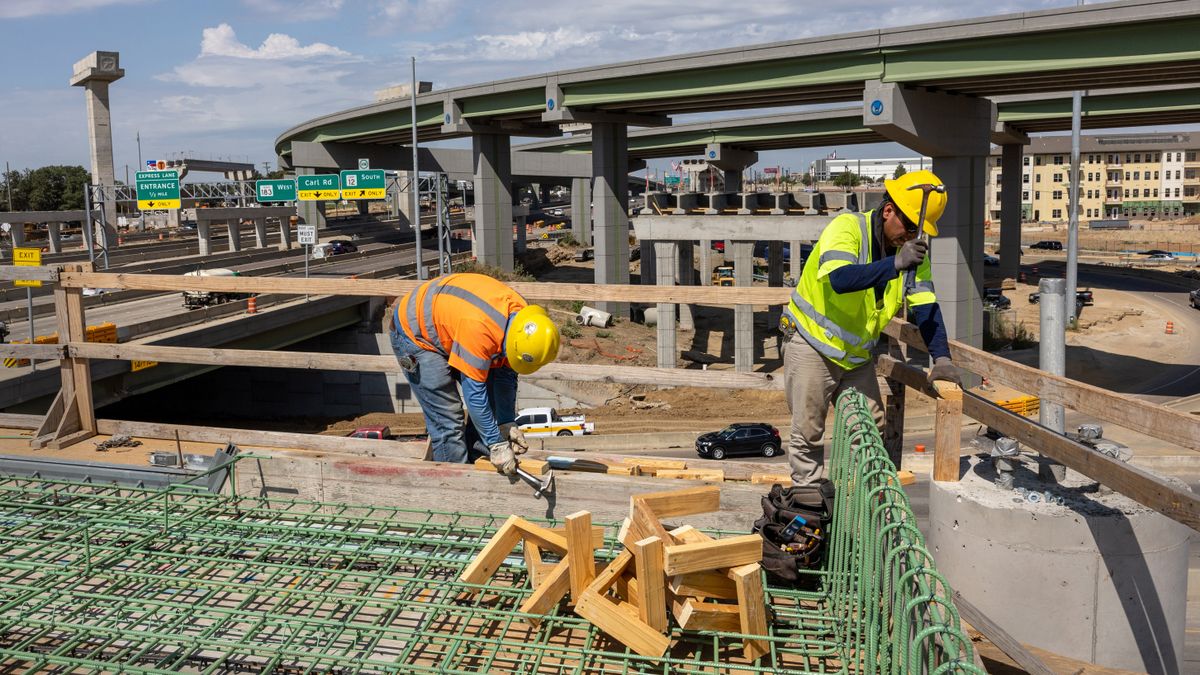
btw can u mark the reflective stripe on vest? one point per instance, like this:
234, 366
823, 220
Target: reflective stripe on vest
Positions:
428, 337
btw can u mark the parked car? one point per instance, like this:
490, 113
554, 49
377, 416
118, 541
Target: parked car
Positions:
1082, 298
332, 248
539, 422
994, 297
989, 260
739, 439
1160, 256
1047, 245
1194, 298
377, 432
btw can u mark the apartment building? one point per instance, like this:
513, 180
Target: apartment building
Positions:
1136, 176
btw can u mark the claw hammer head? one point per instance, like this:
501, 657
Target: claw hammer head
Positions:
540, 487
925, 189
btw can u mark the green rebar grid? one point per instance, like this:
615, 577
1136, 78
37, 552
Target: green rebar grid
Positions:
887, 598
100, 578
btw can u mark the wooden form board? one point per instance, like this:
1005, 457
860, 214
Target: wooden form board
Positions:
752, 610
711, 555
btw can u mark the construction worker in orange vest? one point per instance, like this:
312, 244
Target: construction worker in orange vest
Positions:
472, 331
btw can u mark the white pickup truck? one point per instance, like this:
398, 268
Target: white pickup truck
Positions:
537, 422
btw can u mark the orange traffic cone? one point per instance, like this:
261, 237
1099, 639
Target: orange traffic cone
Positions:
252, 305
1170, 328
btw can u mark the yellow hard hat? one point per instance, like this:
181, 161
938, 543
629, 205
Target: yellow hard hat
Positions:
908, 198
531, 341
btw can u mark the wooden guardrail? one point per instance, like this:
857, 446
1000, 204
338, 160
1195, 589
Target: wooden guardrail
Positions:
71, 416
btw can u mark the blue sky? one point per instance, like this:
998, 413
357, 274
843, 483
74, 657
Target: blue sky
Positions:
222, 78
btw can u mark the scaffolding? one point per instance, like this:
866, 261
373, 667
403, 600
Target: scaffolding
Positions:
101, 578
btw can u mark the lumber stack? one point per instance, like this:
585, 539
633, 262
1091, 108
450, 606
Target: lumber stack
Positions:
704, 584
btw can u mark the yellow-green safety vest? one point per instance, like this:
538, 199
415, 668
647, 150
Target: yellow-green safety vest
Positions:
844, 327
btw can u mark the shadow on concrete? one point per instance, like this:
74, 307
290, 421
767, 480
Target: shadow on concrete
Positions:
1122, 373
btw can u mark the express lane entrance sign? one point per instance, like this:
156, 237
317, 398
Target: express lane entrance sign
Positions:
157, 190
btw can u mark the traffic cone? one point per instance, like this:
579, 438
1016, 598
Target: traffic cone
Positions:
252, 305
1170, 328
1021, 277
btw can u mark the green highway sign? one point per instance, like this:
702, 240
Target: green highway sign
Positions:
319, 187
370, 184
275, 190
157, 189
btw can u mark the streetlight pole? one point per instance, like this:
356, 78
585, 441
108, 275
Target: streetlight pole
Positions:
416, 175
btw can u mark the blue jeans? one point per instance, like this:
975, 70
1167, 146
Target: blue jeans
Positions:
435, 384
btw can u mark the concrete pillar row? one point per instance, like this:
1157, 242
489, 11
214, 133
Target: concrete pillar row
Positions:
260, 232
581, 210
666, 254
610, 187
285, 232
687, 277
795, 263
774, 279
54, 231
649, 262
743, 315
493, 200
204, 236
706, 262
1010, 210
234, 226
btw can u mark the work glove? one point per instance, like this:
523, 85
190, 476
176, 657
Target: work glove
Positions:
515, 436
944, 369
910, 255
503, 458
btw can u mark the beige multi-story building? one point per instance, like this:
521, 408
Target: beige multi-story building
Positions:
1121, 176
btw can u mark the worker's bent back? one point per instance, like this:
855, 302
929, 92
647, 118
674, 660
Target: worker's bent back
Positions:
463, 317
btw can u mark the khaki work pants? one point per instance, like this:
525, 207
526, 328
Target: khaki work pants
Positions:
813, 383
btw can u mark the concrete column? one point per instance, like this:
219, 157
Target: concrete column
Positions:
957, 252
364, 207
687, 277
54, 231
522, 235
204, 236
795, 264
732, 180
743, 315
285, 232
649, 262
581, 210
17, 233
174, 219
493, 200
774, 279
94, 73
610, 219
260, 232
1010, 211
706, 262
310, 213
666, 254
234, 226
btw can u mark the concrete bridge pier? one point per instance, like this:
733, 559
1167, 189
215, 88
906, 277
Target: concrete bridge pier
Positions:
1010, 204
743, 315
491, 155
706, 262
610, 185
795, 264
17, 234
666, 255
204, 236
260, 232
54, 233
732, 162
364, 207
285, 232
686, 275
774, 279
581, 210
234, 226
310, 213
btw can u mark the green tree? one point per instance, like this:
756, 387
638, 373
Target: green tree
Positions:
807, 179
847, 179
49, 188
900, 171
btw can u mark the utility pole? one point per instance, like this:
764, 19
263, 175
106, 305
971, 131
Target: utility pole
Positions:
139, 143
416, 175
8, 185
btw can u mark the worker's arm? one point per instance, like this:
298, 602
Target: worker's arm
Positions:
849, 278
933, 329
475, 393
504, 393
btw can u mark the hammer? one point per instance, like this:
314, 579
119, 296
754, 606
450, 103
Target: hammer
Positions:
925, 189
540, 487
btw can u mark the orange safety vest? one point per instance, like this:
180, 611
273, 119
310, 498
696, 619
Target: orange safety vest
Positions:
462, 317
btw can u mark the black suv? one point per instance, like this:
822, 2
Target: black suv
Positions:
994, 297
1048, 245
1194, 298
739, 439
1082, 298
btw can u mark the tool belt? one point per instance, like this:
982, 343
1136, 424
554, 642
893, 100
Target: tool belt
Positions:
795, 530
787, 326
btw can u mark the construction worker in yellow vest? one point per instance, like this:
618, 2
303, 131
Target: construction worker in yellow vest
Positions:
859, 275
474, 332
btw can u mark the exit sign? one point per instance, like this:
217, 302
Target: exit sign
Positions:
318, 187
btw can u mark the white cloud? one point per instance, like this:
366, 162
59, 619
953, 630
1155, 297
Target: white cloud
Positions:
417, 15
222, 41
297, 10
21, 9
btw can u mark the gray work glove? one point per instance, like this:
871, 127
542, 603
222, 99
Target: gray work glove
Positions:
503, 458
910, 255
944, 369
514, 435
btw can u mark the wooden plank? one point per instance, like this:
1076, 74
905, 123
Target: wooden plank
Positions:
549, 593
489, 559
703, 295
623, 535
1000, 637
651, 583
536, 467
784, 479
687, 534
644, 523
716, 475
711, 555
597, 534
1177, 503
49, 352
533, 563
947, 432
608, 576
80, 367
631, 632
654, 463
68, 439
1132, 413
706, 584
543, 537
694, 614
752, 609
32, 273
685, 502
580, 553
54, 414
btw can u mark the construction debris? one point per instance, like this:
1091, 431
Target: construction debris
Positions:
118, 441
715, 584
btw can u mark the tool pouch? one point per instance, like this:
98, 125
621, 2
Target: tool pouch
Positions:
786, 557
